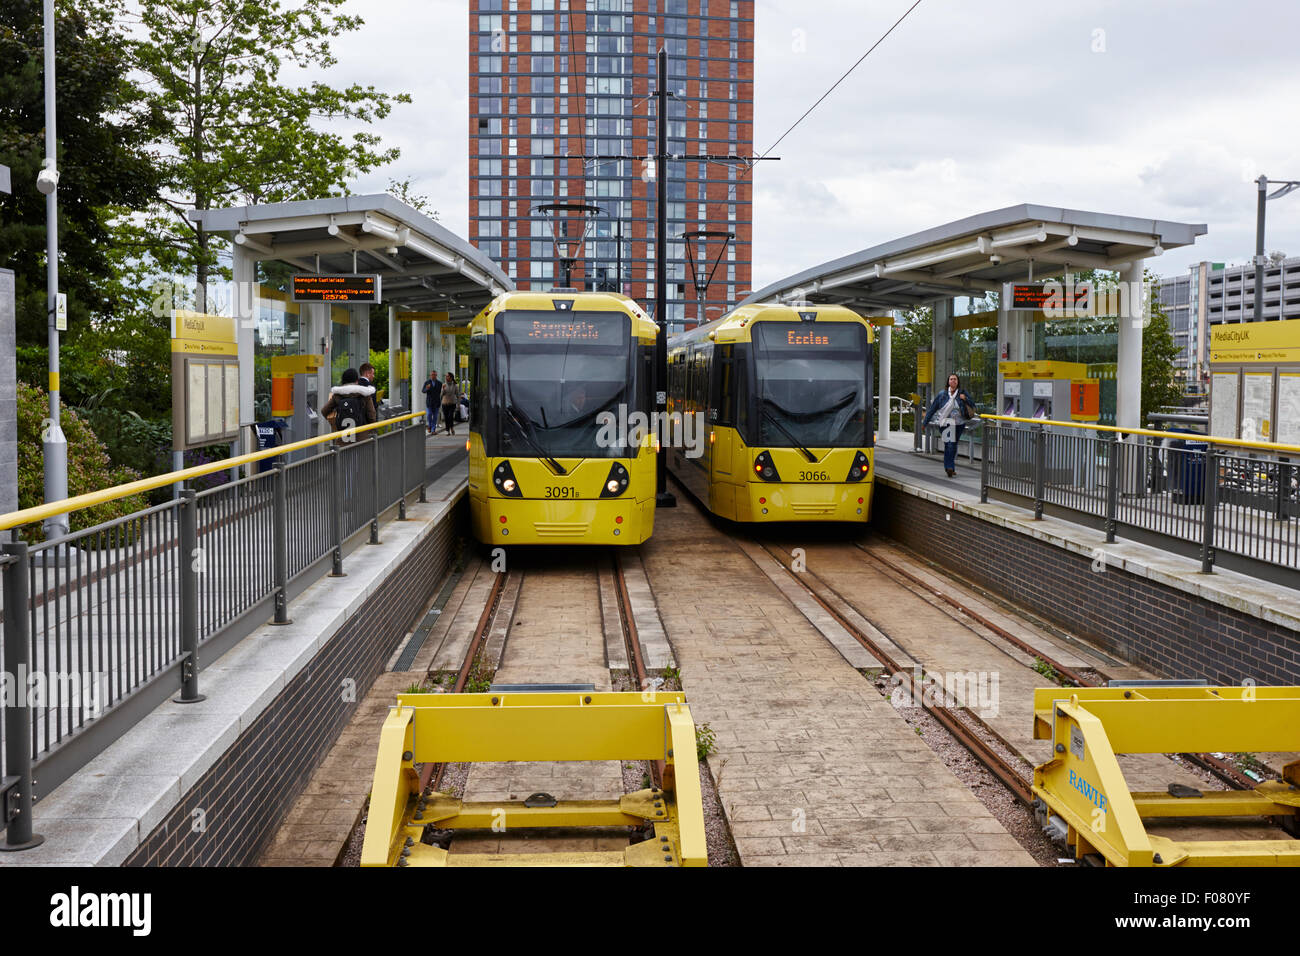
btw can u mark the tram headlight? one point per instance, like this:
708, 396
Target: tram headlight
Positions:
861, 466
503, 479
615, 482
764, 468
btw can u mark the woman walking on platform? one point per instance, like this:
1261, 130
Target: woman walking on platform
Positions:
951, 409
450, 398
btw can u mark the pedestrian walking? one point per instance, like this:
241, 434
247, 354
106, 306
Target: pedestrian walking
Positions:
432, 401
951, 409
450, 398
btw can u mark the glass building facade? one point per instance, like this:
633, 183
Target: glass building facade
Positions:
555, 84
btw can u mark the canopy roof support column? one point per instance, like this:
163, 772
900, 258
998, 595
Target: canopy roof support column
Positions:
244, 275
1128, 371
944, 353
419, 363
884, 344
394, 361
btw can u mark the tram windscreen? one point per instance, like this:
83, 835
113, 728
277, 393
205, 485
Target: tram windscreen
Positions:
554, 373
811, 383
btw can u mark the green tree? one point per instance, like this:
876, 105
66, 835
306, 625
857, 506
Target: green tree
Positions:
239, 132
401, 188
915, 333
1159, 350
106, 170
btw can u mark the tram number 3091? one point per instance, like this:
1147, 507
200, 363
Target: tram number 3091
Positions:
557, 491
814, 476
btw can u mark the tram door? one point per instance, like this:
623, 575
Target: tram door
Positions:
719, 432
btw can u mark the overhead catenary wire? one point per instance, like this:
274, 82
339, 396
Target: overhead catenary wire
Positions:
833, 86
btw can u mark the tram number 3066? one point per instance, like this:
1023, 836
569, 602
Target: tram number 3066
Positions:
556, 491
814, 476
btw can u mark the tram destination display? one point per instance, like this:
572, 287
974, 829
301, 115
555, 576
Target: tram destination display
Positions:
349, 287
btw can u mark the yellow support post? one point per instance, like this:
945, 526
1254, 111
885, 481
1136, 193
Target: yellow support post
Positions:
536, 726
1083, 784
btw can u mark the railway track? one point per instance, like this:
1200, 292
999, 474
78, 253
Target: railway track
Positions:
1220, 769
516, 602
965, 726
1011, 776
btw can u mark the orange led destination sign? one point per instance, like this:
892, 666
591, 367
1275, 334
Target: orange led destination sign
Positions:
1048, 296
785, 336
806, 338
364, 287
564, 329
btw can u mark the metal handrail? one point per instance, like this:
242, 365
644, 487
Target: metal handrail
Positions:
40, 512
1150, 432
130, 602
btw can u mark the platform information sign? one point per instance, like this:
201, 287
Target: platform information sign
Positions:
1223, 404
1071, 299
205, 380
351, 287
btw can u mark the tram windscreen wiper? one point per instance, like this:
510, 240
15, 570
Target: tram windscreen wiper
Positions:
784, 431
554, 465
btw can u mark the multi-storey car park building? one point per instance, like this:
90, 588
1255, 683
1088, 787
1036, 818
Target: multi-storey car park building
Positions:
554, 83
1212, 293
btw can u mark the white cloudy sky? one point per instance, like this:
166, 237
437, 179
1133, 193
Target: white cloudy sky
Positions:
970, 105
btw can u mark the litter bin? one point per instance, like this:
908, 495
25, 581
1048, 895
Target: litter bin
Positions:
1187, 474
268, 435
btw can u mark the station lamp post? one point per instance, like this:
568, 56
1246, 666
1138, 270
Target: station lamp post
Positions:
54, 445
1263, 182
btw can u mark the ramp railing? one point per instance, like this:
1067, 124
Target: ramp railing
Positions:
1229, 502
102, 625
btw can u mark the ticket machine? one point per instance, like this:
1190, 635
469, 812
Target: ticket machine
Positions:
1040, 389
293, 397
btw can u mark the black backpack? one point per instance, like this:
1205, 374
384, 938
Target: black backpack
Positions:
351, 411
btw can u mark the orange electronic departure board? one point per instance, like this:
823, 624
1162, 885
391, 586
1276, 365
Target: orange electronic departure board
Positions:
1049, 295
336, 288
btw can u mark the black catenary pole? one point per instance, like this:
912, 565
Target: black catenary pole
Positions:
663, 498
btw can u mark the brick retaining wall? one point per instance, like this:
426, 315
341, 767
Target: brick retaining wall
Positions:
247, 792
1175, 634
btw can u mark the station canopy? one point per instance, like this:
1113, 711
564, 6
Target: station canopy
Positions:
424, 266
978, 254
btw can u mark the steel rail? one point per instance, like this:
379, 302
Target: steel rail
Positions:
1224, 771
946, 716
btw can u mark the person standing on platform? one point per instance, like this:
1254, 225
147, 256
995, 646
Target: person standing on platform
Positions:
432, 401
951, 409
450, 397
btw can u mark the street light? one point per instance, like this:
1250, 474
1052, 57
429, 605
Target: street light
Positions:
1287, 186
54, 445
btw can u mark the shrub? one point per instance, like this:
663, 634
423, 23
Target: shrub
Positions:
89, 467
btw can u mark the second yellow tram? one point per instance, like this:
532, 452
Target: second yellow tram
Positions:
785, 395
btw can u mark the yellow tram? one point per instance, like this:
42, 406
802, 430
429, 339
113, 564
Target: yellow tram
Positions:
785, 395
553, 375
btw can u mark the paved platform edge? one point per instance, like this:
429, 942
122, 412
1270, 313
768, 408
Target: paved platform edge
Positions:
104, 812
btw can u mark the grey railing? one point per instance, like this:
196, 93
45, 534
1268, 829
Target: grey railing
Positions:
104, 624
1234, 506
